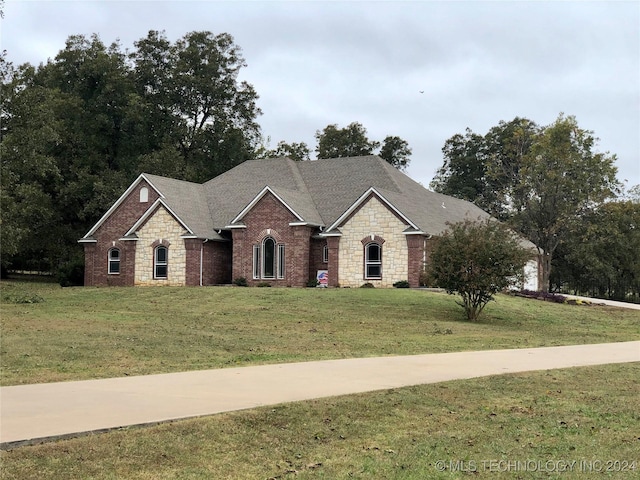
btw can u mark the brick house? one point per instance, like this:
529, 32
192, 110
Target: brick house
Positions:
355, 220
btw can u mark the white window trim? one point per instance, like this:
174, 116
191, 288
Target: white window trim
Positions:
275, 258
368, 262
256, 262
110, 260
161, 264
279, 259
325, 254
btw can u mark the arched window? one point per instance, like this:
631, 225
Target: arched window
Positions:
160, 262
372, 261
114, 261
268, 260
144, 195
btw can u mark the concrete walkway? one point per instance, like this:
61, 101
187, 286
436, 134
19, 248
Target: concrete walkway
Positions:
35, 413
611, 303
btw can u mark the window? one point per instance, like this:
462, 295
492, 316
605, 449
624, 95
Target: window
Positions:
160, 258
280, 261
268, 260
372, 261
114, 261
325, 254
144, 195
256, 261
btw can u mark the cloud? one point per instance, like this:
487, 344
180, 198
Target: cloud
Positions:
319, 63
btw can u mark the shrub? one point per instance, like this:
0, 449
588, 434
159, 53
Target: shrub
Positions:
367, 285
241, 282
476, 260
21, 298
71, 274
401, 284
313, 283
263, 284
546, 296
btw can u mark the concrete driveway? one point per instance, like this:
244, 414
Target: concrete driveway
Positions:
40, 412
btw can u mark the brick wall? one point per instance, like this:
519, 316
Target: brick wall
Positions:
217, 263
415, 254
194, 252
113, 228
270, 218
315, 257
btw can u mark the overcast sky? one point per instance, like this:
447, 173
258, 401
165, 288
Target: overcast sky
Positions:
320, 63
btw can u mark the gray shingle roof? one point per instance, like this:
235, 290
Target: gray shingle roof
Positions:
319, 191
188, 201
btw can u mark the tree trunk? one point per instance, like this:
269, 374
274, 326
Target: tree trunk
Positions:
546, 271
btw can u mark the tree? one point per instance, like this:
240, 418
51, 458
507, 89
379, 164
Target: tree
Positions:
476, 260
464, 170
352, 141
599, 256
77, 130
198, 106
539, 180
485, 169
561, 178
396, 151
295, 151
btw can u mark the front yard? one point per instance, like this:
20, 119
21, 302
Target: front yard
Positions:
82, 333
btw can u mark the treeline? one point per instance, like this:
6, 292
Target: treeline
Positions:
78, 129
550, 184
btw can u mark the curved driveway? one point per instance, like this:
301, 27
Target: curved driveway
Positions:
34, 413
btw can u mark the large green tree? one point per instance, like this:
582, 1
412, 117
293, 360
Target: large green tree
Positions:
352, 141
485, 169
600, 257
539, 179
295, 151
206, 117
561, 178
79, 128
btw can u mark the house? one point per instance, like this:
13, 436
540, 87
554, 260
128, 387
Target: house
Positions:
353, 220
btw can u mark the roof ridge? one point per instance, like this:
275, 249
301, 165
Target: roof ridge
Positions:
152, 175
389, 169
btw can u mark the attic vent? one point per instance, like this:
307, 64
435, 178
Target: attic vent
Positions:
144, 195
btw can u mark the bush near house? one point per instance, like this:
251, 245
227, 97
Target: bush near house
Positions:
476, 260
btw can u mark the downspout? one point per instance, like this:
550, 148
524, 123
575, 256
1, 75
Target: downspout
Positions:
201, 257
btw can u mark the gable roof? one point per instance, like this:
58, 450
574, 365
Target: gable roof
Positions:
187, 202
322, 191
318, 192
341, 182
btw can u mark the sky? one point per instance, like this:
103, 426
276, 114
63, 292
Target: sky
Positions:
421, 70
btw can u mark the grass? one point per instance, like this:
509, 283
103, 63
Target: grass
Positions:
54, 334
523, 426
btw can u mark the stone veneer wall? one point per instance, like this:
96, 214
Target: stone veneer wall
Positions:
160, 226
373, 218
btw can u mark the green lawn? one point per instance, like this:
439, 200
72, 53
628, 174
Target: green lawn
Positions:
82, 333
520, 426
556, 424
